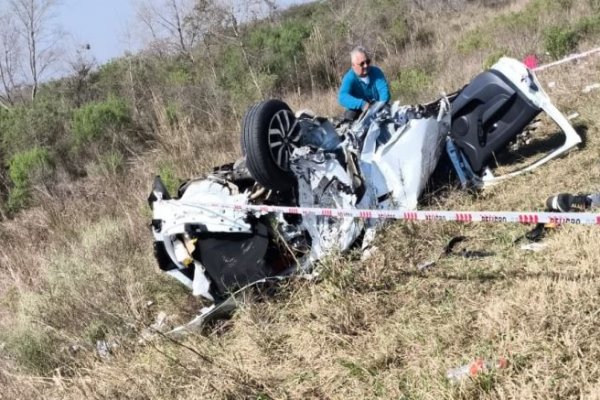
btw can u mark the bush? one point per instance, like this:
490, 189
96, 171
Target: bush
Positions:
278, 49
172, 114
559, 41
32, 348
235, 77
474, 40
109, 78
109, 164
41, 123
27, 168
273, 57
588, 27
179, 75
409, 83
94, 120
394, 27
528, 18
168, 177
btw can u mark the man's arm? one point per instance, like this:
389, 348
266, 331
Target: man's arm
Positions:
382, 86
345, 99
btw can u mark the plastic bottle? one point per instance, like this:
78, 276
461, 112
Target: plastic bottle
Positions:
181, 253
475, 367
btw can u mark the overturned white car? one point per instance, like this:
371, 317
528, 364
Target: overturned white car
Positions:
207, 239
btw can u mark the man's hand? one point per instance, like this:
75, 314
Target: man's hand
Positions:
366, 106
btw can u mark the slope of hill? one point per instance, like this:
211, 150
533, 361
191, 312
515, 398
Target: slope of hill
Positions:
79, 287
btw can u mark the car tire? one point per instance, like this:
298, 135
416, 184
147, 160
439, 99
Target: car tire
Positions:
245, 123
269, 135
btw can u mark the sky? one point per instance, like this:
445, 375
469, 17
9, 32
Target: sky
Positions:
100, 23
106, 25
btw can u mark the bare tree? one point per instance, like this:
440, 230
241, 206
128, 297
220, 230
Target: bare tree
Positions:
176, 26
170, 25
232, 14
9, 60
81, 63
33, 23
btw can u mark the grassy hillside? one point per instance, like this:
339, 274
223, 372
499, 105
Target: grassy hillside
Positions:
76, 264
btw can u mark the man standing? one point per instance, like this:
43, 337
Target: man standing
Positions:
362, 85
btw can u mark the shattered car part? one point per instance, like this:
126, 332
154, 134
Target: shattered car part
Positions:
565, 202
381, 161
489, 112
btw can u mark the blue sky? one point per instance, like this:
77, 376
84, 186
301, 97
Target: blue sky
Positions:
101, 23
104, 24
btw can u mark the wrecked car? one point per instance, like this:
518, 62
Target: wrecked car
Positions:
205, 237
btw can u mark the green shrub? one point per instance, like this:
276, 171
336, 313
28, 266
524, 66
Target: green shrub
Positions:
244, 83
172, 114
112, 162
41, 123
528, 18
559, 41
518, 21
26, 169
179, 76
273, 56
110, 78
474, 40
94, 120
235, 78
391, 18
32, 348
108, 164
588, 27
399, 32
565, 4
409, 83
279, 47
95, 330
169, 178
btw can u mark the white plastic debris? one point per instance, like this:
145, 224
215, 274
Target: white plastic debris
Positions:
424, 266
589, 88
103, 349
535, 247
368, 253
159, 324
474, 368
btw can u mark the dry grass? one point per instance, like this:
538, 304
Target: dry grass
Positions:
80, 270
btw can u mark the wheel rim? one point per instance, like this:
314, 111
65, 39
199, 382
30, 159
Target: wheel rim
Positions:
283, 138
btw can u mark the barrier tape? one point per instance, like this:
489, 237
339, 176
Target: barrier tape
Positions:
567, 59
429, 215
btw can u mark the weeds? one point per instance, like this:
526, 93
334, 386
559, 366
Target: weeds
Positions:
26, 169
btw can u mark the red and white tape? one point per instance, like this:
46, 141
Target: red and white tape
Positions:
567, 59
429, 215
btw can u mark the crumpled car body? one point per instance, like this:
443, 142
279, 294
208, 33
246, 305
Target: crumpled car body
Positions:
381, 161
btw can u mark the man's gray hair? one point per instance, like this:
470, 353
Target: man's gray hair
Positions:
359, 49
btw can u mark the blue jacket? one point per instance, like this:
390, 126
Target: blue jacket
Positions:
354, 93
